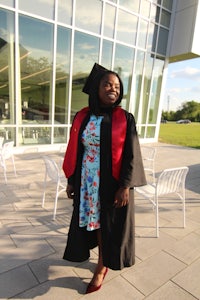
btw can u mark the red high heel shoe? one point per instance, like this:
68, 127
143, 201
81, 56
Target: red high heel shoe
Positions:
93, 288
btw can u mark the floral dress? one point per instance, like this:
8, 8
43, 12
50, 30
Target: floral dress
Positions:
89, 210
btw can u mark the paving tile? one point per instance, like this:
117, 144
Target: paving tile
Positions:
189, 279
147, 247
16, 281
150, 274
186, 249
117, 289
170, 291
32, 244
51, 267
66, 287
27, 249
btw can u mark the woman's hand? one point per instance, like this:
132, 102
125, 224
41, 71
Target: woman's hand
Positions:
121, 197
70, 191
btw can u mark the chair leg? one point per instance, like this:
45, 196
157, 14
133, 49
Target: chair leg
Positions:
56, 201
157, 217
44, 192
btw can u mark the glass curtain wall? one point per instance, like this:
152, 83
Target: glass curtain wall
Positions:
45, 60
7, 75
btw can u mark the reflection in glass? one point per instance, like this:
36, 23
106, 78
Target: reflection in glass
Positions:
137, 87
146, 86
41, 8
143, 28
153, 12
145, 8
127, 27
60, 135
154, 37
123, 66
167, 4
62, 75
8, 2
109, 21
36, 69
35, 135
162, 41
130, 4
165, 18
150, 132
155, 90
86, 51
8, 133
65, 11
89, 19
6, 68
106, 59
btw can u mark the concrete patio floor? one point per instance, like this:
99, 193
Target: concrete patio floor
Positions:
32, 244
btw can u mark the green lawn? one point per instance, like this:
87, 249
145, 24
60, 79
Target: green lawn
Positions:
180, 134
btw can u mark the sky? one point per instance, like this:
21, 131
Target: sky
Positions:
183, 84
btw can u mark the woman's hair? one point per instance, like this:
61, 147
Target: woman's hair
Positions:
94, 101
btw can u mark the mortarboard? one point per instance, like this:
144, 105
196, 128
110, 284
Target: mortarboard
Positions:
96, 73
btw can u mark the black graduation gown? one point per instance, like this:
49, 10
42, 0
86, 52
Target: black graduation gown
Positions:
117, 224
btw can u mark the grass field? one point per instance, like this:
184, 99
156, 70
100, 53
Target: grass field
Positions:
180, 134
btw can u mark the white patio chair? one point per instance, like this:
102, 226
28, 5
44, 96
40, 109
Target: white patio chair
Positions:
5, 154
54, 173
170, 181
148, 157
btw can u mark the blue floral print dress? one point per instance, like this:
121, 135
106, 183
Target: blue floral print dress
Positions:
89, 211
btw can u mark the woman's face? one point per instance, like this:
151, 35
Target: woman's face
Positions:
109, 90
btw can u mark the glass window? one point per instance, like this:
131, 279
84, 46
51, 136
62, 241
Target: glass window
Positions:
106, 59
153, 37
86, 52
153, 12
65, 11
127, 27
146, 87
150, 132
155, 90
109, 21
137, 84
9, 133
7, 95
162, 41
165, 18
8, 2
88, 16
168, 4
35, 47
35, 135
157, 19
41, 8
62, 75
145, 8
60, 135
143, 28
123, 66
130, 4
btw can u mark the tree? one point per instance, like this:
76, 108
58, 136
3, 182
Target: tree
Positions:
189, 110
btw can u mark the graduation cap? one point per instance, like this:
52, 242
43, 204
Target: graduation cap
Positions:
96, 73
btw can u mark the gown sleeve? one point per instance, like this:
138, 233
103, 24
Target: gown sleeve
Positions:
132, 171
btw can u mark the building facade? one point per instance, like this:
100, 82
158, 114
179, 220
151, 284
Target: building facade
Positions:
48, 49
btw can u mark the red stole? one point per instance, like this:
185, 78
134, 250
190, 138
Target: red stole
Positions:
119, 125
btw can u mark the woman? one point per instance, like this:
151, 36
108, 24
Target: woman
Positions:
103, 163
